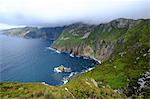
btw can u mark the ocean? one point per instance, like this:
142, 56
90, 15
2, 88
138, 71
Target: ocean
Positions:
31, 60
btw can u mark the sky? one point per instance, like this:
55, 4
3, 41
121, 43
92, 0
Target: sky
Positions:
19, 13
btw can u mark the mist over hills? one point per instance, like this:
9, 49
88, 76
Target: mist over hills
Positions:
122, 45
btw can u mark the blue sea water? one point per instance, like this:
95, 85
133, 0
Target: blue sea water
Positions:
30, 60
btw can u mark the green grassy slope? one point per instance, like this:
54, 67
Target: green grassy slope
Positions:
82, 89
94, 41
121, 70
127, 63
20, 31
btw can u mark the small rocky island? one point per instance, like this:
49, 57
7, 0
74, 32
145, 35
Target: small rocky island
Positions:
62, 68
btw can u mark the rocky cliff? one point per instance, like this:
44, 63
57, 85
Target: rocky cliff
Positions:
94, 40
122, 45
50, 33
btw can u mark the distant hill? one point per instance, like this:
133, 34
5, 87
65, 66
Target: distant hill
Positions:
123, 47
34, 32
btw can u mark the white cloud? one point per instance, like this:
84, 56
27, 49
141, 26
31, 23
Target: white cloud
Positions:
54, 12
6, 26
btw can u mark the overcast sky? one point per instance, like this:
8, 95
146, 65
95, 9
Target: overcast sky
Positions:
15, 13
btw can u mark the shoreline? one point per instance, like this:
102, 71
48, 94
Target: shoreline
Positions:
73, 55
74, 74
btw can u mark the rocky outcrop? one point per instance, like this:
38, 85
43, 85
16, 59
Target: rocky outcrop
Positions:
125, 42
94, 40
141, 87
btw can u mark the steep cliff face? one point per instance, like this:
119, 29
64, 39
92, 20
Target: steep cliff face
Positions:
128, 62
93, 41
51, 33
122, 44
34, 32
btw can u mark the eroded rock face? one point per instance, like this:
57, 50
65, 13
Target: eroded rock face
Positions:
142, 84
94, 41
88, 51
122, 23
104, 52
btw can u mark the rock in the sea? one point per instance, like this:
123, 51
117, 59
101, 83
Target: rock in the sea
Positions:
62, 69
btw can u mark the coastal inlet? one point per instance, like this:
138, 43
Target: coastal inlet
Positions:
32, 60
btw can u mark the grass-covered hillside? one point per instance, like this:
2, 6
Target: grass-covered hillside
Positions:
123, 45
81, 89
95, 41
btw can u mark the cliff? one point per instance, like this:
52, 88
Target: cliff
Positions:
94, 40
122, 45
49, 33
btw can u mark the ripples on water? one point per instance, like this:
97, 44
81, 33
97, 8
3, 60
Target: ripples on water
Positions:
29, 60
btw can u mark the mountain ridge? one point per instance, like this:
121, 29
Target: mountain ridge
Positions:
84, 31
122, 45
50, 33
